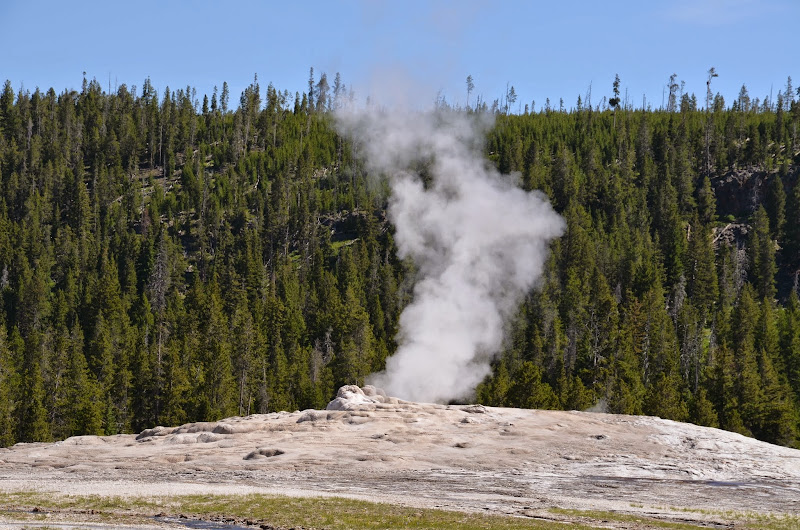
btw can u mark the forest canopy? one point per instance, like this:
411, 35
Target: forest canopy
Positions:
166, 259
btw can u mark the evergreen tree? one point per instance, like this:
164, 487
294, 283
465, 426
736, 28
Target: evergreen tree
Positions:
790, 344
706, 202
32, 424
7, 391
791, 243
494, 392
702, 285
81, 404
775, 205
625, 389
748, 387
761, 249
702, 410
529, 391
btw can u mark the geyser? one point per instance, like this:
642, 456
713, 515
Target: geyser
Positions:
478, 241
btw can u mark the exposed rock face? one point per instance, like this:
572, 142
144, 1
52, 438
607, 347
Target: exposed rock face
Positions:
739, 192
380, 448
731, 235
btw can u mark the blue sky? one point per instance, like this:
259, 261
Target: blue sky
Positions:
408, 50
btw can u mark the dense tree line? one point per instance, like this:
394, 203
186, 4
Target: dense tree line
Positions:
165, 260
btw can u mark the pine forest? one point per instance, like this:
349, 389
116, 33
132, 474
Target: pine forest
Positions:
167, 257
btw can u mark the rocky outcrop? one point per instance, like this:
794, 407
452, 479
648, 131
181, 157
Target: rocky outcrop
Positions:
739, 191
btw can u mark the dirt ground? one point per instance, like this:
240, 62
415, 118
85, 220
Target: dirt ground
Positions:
467, 458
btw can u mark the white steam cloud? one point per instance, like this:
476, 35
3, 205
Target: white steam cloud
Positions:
479, 243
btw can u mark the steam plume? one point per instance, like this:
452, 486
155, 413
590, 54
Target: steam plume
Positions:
478, 241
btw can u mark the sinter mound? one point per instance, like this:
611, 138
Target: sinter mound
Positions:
380, 448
